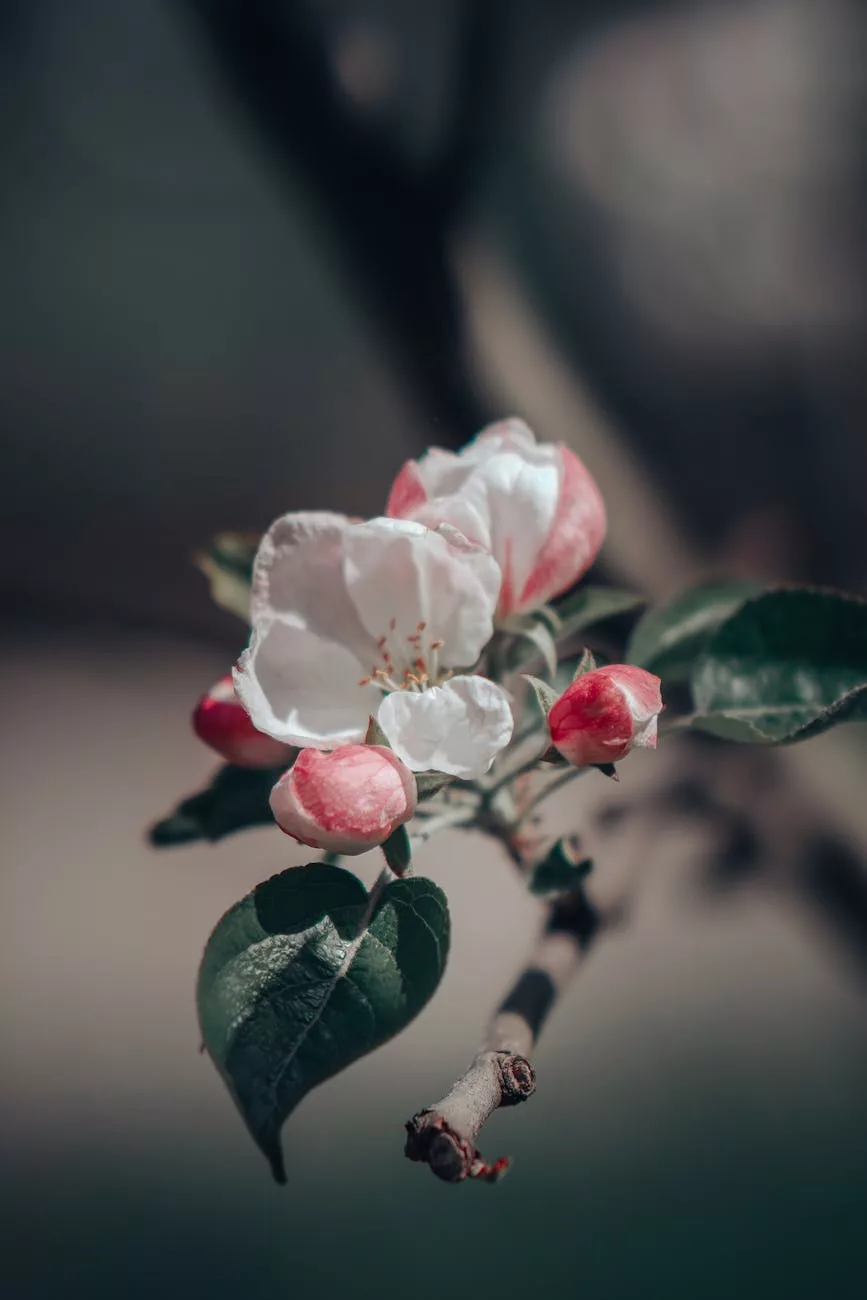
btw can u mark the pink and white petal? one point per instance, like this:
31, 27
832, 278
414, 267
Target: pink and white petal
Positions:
407, 493
641, 690
401, 575
443, 472
298, 577
511, 434
647, 735
458, 513
517, 492
458, 728
574, 538
303, 689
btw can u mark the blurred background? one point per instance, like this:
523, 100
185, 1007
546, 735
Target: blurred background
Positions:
256, 254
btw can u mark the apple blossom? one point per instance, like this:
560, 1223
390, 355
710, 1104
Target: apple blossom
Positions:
606, 713
534, 505
346, 801
222, 722
346, 613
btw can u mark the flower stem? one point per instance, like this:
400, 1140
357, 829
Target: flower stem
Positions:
528, 765
564, 778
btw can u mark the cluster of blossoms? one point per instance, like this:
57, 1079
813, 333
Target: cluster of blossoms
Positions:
390, 619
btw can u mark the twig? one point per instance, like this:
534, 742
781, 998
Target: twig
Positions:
442, 821
528, 765
571, 774
444, 1135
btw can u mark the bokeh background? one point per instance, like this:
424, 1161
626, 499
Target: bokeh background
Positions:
254, 254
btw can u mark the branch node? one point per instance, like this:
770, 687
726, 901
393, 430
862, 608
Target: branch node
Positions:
431, 1140
517, 1078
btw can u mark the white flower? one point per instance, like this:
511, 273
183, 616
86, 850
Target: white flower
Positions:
534, 505
344, 613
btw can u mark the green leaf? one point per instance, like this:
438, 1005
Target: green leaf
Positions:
537, 634
398, 851
375, 734
787, 665
560, 871
430, 783
227, 563
545, 694
586, 664
589, 605
290, 992
667, 641
236, 799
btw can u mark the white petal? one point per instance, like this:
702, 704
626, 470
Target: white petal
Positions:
517, 492
303, 689
441, 472
511, 434
457, 728
458, 513
401, 574
298, 577
646, 736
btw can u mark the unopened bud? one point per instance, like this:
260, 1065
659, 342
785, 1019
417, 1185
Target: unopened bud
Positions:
606, 713
346, 801
222, 722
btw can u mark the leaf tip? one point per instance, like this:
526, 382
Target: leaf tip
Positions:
274, 1155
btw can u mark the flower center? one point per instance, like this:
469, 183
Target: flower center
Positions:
407, 664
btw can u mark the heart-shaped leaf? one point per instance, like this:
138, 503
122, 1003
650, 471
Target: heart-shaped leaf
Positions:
589, 605
236, 799
786, 665
667, 641
293, 987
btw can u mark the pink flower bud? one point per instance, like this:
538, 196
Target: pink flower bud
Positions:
345, 801
222, 722
605, 713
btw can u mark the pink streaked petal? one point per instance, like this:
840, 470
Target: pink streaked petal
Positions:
574, 539
348, 801
407, 492
643, 690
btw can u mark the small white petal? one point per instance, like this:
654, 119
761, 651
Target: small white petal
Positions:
400, 574
303, 689
646, 736
458, 728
